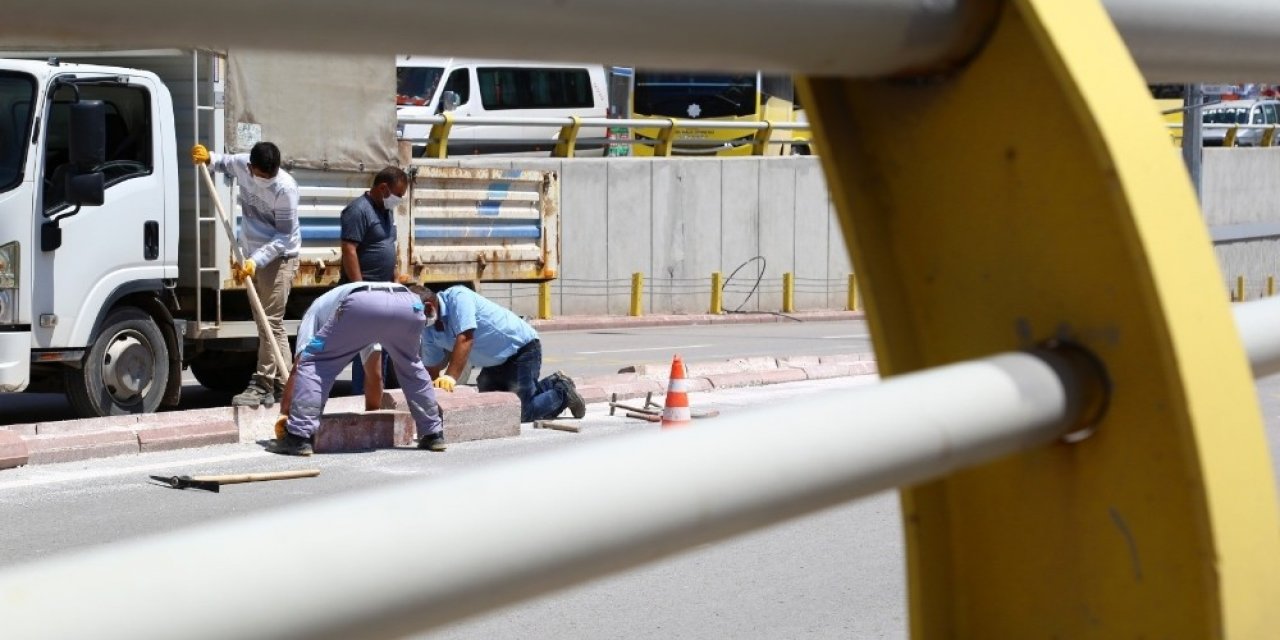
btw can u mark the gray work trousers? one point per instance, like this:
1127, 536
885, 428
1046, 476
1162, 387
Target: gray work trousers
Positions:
393, 318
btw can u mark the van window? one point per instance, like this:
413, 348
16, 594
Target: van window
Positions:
415, 86
524, 88
460, 83
1269, 113
1257, 115
128, 137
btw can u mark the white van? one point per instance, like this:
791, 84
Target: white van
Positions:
427, 86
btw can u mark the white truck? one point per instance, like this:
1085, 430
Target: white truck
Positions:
114, 271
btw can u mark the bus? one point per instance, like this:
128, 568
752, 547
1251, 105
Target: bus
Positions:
737, 97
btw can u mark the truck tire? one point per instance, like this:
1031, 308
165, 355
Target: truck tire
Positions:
125, 369
226, 371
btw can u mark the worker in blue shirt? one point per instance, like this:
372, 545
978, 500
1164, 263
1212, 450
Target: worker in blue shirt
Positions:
470, 327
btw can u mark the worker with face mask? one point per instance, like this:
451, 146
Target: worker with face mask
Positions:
270, 239
369, 255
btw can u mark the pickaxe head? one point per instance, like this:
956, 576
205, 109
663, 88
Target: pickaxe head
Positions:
187, 482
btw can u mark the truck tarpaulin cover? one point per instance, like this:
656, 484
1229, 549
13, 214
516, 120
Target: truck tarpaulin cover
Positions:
323, 111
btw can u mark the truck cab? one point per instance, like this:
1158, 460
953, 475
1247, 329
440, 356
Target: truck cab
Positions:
88, 199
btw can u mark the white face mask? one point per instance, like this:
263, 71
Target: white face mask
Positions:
263, 182
391, 201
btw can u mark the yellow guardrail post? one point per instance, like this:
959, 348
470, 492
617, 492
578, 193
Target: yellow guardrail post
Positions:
568, 140
788, 292
1269, 136
852, 303
717, 293
1271, 286
1229, 140
544, 300
438, 138
665, 139
1164, 522
1239, 288
637, 294
760, 141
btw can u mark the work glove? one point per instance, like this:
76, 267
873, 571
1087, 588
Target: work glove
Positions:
243, 270
404, 279
280, 422
446, 382
199, 154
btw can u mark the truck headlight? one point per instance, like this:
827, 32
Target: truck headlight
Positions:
9, 283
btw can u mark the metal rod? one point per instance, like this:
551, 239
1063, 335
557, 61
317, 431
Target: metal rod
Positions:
1197, 41
1259, 326
532, 525
1193, 135
828, 37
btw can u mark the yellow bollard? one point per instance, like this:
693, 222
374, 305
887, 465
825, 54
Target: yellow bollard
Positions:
717, 298
788, 292
544, 300
1239, 288
637, 292
852, 304
1271, 286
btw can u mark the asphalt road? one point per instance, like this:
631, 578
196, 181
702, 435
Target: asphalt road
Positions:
835, 574
587, 352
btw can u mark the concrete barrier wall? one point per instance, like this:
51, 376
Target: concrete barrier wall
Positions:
677, 220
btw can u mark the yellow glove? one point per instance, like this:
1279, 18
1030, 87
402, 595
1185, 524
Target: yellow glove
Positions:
446, 382
243, 270
199, 154
280, 422
404, 279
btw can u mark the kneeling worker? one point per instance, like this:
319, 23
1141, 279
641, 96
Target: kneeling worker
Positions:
471, 327
357, 318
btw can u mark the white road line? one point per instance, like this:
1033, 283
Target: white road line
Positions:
851, 335
688, 346
106, 473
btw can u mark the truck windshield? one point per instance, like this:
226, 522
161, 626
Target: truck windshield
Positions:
695, 95
415, 86
16, 94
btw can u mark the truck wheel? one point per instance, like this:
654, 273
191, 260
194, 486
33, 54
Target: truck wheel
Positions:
227, 371
125, 370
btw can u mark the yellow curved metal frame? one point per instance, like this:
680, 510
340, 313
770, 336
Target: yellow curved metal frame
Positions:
1030, 195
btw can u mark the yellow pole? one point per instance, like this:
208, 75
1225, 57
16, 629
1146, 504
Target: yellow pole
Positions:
637, 292
544, 300
1271, 286
788, 292
717, 300
852, 304
1239, 288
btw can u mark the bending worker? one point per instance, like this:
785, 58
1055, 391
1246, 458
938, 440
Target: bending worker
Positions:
346, 321
471, 327
270, 238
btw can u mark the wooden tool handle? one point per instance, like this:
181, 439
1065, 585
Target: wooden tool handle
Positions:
259, 477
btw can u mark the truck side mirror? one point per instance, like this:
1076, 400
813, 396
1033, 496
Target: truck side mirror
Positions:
86, 189
449, 101
88, 140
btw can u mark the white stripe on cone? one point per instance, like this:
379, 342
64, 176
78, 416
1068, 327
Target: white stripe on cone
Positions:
678, 386
676, 414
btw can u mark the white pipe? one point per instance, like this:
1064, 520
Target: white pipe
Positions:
388, 562
1189, 41
1259, 326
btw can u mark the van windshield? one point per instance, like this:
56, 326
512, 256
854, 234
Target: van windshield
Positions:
1232, 115
17, 91
694, 95
415, 86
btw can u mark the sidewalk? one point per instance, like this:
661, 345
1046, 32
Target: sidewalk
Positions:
571, 323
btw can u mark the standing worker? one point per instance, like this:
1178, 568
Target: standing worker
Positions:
346, 322
270, 239
469, 326
369, 255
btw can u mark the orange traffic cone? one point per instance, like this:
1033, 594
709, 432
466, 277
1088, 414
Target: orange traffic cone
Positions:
675, 409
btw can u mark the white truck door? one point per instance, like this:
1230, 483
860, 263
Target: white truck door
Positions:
113, 247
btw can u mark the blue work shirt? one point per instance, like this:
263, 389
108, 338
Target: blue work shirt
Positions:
498, 332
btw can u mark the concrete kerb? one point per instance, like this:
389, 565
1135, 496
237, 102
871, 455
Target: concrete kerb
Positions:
468, 415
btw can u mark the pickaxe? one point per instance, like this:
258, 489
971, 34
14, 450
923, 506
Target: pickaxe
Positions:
213, 483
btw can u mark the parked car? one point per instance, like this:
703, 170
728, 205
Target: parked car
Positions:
1239, 112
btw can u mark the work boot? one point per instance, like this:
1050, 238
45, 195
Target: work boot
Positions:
432, 442
253, 396
573, 402
292, 445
